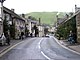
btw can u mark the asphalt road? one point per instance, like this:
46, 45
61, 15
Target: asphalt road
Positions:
56, 52
39, 48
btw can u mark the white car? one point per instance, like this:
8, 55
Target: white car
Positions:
47, 35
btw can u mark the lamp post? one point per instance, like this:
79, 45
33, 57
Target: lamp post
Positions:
2, 14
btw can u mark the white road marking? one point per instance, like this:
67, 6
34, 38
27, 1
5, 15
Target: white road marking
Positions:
10, 48
66, 47
39, 43
42, 51
45, 55
4, 49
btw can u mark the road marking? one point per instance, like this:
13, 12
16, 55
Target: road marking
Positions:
66, 47
42, 51
45, 55
4, 49
10, 48
39, 44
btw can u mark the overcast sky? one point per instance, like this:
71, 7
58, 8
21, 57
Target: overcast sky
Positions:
27, 6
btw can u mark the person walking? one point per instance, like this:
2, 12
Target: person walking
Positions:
8, 38
31, 34
22, 34
71, 38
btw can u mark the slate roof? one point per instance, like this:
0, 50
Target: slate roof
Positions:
12, 13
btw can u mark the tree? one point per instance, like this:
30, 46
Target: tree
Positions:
31, 17
45, 31
64, 29
35, 28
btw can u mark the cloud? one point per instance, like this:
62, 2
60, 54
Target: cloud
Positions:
25, 6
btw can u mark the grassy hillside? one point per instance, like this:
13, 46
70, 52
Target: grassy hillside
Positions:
46, 17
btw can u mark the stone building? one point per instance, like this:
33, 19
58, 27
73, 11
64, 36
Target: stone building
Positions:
31, 24
41, 30
15, 23
77, 9
76, 18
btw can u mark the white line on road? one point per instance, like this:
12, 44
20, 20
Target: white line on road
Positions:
10, 48
42, 51
45, 55
39, 43
66, 47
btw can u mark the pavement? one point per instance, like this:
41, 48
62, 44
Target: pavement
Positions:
5, 47
74, 47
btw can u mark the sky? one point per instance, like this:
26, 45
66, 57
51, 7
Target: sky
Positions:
27, 6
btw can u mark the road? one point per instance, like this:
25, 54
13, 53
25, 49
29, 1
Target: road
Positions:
39, 48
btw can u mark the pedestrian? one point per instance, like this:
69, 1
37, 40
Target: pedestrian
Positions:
22, 34
36, 32
71, 38
8, 38
31, 34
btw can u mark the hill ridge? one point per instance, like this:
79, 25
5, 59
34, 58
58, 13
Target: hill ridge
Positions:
46, 17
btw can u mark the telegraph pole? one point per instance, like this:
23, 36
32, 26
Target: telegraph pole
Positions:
2, 14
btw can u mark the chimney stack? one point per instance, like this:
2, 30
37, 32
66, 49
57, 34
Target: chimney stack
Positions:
39, 21
23, 15
12, 9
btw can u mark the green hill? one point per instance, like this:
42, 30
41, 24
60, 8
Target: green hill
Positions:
46, 17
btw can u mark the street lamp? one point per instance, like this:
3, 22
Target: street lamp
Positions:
2, 9
2, 15
2, 1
